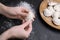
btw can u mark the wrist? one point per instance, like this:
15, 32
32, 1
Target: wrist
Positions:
6, 35
2, 8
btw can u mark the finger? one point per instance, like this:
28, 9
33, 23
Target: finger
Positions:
23, 21
22, 14
20, 17
23, 8
9, 16
23, 11
29, 29
25, 24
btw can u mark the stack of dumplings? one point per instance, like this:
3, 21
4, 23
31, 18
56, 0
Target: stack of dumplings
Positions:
53, 10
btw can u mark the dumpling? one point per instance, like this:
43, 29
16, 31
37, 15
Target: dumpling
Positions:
49, 11
57, 7
52, 3
56, 18
31, 13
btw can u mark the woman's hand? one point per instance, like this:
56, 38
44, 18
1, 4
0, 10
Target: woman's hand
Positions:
21, 31
14, 12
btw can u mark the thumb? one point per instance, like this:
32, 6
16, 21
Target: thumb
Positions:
30, 28
25, 24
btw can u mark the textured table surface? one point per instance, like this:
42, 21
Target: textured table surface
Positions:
41, 31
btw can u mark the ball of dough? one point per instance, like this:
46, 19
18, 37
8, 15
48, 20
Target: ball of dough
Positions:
57, 7
49, 11
52, 3
31, 13
56, 21
30, 16
56, 18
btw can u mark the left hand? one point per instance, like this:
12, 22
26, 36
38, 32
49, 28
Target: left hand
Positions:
21, 31
14, 12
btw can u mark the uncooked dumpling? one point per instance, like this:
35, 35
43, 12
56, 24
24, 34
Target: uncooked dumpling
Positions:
31, 13
49, 11
56, 18
57, 7
52, 3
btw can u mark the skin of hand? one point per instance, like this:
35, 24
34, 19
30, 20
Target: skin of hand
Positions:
13, 12
20, 31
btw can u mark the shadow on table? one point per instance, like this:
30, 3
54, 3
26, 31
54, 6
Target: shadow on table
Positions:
14, 39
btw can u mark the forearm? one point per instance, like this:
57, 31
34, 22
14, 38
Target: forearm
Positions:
5, 35
2, 8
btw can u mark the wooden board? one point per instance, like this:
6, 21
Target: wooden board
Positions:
48, 20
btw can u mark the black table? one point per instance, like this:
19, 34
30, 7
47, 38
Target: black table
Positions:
41, 31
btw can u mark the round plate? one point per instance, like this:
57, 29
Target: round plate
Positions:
48, 20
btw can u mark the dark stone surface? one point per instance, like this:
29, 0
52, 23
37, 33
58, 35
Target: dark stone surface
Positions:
6, 23
41, 31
